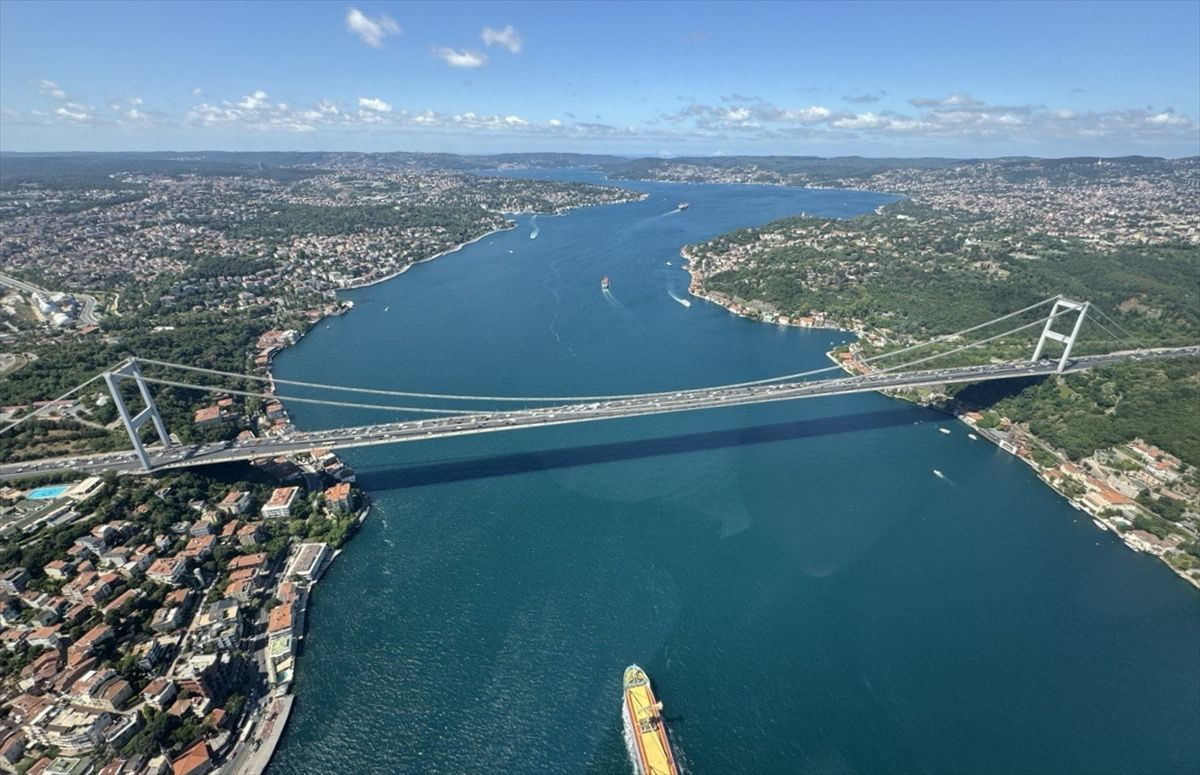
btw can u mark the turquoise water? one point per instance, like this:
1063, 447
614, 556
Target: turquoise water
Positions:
806, 595
48, 493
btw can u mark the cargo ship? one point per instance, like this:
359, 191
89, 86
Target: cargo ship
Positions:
645, 732
604, 283
684, 205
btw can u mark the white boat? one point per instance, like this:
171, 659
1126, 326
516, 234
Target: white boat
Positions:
944, 430
972, 437
1100, 525
938, 474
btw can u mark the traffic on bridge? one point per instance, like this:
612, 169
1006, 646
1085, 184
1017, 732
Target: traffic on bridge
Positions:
161, 458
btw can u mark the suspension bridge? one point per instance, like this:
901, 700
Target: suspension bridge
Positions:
440, 415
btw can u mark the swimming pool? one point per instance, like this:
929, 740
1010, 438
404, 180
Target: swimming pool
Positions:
48, 493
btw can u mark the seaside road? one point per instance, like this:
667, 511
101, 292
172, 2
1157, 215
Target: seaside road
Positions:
632, 406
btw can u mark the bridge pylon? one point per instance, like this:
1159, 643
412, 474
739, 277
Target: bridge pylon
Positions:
1061, 305
132, 422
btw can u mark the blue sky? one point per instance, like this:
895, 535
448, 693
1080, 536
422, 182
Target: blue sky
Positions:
905, 79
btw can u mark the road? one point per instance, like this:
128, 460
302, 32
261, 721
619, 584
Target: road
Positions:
634, 406
87, 311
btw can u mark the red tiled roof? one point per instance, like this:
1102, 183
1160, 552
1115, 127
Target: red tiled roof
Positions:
192, 759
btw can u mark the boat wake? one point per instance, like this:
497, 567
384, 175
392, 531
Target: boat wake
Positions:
946, 479
536, 231
547, 284
682, 301
630, 745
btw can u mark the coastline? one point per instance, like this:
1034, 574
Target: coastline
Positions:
392, 275
454, 249
279, 709
696, 288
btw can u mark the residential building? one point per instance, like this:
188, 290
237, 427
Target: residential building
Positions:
235, 503
340, 498
168, 570
13, 580
280, 504
160, 692
194, 761
308, 561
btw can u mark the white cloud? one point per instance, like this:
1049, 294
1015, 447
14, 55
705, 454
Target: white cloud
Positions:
810, 114
75, 112
465, 59
371, 31
1167, 118
955, 117
956, 121
508, 37
255, 101
51, 89
375, 104
866, 120
197, 92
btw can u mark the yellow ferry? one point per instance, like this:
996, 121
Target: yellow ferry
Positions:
645, 733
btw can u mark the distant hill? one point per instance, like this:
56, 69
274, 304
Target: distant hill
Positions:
96, 170
815, 170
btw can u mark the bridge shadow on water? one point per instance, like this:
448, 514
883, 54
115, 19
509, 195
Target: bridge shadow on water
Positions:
443, 472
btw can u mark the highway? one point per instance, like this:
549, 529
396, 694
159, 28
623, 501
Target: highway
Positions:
634, 406
87, 310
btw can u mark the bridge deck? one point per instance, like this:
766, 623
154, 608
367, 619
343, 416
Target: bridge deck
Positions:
490, 422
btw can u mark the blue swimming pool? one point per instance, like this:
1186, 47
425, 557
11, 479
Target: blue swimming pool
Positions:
48, 493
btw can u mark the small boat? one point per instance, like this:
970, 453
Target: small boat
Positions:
385, 309
944, 430
684, 205
604, 283
972, 437
1100, 524
938, 474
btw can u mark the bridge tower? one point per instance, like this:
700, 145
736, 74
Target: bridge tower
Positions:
1068, 340
133, 422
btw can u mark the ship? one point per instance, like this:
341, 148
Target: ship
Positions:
645, 732
938, 474
684, 205
604, 283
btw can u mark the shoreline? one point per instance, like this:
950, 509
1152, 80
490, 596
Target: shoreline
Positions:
696, 288
454, 249
279, 710
393, 275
